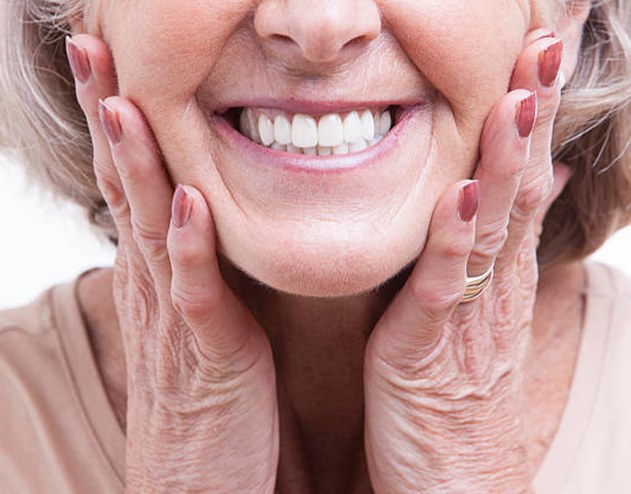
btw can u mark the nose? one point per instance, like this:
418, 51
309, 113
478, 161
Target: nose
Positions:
317, 31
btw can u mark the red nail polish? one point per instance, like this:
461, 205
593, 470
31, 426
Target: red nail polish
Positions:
110, 122
181, 207
469, 201
78, 60
550, 63
526, 115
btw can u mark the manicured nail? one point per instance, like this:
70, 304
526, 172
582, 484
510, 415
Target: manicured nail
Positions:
110, 122
526, 115
78, 60
550, 63
469, 201
181, 207
545, 33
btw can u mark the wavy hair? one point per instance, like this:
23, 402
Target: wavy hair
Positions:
42, 124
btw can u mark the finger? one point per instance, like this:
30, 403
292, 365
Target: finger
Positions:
538, 68
92, 67
413, 324
145, 181
504, 150
221, 323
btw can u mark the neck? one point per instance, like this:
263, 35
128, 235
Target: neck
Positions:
318, 346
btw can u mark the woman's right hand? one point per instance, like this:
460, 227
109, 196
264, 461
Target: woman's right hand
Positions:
201, 408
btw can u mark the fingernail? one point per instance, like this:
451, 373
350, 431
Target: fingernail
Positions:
526, 115
550, 63
110, 122
545, 33
181, 207
78, 60
469, 201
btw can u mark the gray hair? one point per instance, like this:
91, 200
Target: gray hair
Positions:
42, 124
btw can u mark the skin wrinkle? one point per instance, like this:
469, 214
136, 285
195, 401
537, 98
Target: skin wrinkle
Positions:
455, 124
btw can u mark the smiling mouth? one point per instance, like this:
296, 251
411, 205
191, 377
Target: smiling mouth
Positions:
330, 134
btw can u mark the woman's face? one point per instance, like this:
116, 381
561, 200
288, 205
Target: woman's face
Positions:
318, 225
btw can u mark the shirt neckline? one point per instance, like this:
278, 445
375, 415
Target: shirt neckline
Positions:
92, 394
550, 476
558, 460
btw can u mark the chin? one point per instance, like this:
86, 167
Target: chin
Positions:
326, 271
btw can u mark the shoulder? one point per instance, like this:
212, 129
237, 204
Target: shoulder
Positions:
604, 281
31, 319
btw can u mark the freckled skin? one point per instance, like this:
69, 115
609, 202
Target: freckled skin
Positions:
307, 237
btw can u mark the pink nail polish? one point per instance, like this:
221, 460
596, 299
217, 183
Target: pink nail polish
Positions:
181, 207
110, 122
526, 115
469, 201
78, 60
550, 63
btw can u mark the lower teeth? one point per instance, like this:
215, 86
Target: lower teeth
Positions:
342, 149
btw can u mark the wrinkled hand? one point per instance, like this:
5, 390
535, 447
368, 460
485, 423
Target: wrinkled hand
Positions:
444, 382
202, 411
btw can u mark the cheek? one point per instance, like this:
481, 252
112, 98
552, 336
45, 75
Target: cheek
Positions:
466, 52
164, 49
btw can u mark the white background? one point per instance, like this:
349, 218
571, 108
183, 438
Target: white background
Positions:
43, 242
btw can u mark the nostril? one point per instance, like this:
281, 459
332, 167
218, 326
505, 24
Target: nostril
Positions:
281, 38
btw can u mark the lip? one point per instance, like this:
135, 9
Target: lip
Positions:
316, 108
317, 164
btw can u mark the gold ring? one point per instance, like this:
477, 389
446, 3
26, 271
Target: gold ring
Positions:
476, 285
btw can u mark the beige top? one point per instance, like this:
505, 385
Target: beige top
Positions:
59, 433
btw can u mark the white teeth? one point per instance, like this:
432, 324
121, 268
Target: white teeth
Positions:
374, 140
325, 136
341, 149
356, 146
304, 131
266, 130
330, 130
282, 130
368, 125
352, 127
325, 151
385, 122
249, 126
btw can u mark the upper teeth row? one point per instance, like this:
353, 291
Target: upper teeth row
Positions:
304, 133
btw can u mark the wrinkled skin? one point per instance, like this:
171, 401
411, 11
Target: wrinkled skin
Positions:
443, 381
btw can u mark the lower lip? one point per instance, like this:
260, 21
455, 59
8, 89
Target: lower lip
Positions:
315, 164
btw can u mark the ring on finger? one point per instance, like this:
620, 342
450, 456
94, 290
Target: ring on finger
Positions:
476, 285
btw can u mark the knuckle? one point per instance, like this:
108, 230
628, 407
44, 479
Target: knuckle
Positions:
186, 254
194, 305
142, 300
435, 303
490, 239
456, 250
152, 243
534, 194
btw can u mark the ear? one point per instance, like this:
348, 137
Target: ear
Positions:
569, 25
562, 174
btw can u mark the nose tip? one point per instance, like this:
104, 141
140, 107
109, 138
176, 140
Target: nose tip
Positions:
321, 31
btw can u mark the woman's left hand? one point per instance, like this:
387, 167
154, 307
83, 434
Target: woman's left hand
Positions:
444, 380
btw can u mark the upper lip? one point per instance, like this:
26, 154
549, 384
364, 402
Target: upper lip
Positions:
311, 107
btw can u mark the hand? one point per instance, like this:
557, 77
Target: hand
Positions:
444, 381
202, 411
